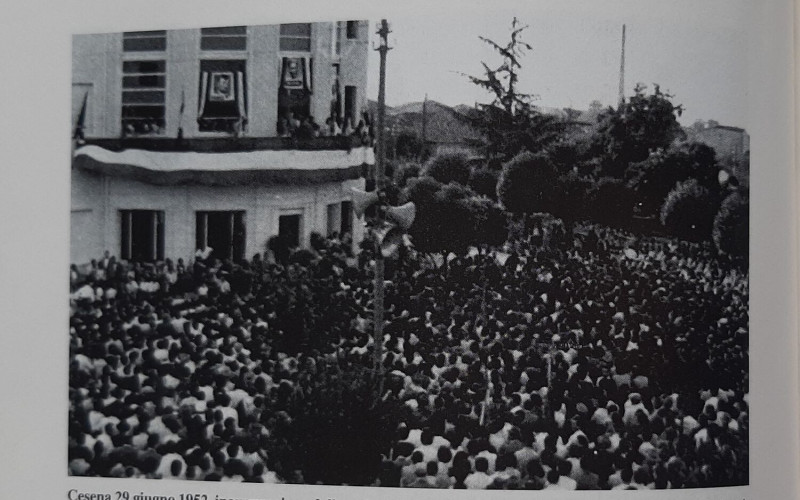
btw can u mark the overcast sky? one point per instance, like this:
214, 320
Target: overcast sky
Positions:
696, 51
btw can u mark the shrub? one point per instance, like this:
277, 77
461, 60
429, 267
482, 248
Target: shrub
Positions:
489, 220
572, 203
406, 171
420, 190
484, 182
653, 178
610, 201
409, 146
449, 166
688, 211
527, 184
451, 217
731, 231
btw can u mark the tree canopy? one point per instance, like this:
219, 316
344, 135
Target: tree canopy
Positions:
449, 166
652, 179
731, 231
527, 184
645, 123
451, 217
510, 123
689, 211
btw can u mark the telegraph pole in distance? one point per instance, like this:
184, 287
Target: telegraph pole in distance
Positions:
424, 123
382, 48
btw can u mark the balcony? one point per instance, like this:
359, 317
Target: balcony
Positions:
226, 144
227, 161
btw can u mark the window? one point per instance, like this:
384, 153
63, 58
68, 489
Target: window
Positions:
352, 30
289, 229
230, 38
144, 41
333, 218
223, 231
296, 37
350, 110
346, 218
223, 98
337, 39
143, 97
336, 94
294, 91
142, 238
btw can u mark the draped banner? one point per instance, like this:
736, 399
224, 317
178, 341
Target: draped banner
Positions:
226, 169
222, 94
296, 73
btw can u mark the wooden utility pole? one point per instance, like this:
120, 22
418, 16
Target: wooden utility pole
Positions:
622, 72
380, 145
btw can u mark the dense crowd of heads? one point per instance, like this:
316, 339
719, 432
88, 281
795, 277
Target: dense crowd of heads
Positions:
586, 360
306, 127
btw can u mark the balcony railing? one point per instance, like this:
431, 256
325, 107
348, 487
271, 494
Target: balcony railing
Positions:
226, 144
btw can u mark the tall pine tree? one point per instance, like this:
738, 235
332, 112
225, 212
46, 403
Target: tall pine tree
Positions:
510, 123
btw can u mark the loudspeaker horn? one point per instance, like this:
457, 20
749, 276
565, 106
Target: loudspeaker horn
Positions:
403, 215
362, 200
389, 238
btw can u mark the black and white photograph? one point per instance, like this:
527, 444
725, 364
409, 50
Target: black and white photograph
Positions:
335, 250
353, 253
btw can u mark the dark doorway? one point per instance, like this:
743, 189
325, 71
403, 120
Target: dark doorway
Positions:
142, 238
350, 110
224, 231
289, 229
333, 223
347, 218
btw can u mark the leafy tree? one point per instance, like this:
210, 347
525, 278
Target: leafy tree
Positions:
451, 217
689, 210
484, 182
409, 146
643, 124
406, 171
567, 155
528, 184
510, 123
610, 202
571, 204
489, 223
731, 231
425, 232
449, 166
653, 178
421, 190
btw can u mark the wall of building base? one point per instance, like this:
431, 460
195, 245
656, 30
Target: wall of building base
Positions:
97, 201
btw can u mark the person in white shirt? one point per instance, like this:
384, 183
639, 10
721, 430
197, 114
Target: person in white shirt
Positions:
479, 479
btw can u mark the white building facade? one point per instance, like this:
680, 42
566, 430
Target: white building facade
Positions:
182, 139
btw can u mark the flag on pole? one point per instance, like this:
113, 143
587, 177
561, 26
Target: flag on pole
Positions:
80, 124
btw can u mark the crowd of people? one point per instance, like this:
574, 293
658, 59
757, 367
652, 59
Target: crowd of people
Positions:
306, 127
590, 359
